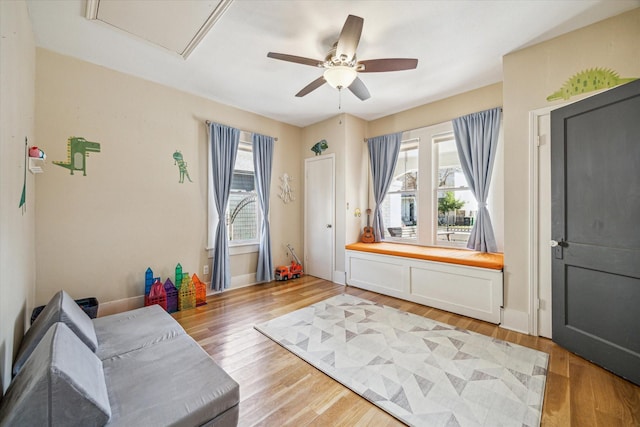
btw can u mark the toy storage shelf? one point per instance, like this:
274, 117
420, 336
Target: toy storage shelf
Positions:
35, 165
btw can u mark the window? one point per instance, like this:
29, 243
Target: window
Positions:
242, 210
429, 201
400, 206
242, 217
456, 205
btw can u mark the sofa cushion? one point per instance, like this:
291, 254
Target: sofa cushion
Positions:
61, 308
61, 383
135, 329
173, 382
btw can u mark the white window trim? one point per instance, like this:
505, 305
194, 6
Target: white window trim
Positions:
237, 247
445, 136
427, 190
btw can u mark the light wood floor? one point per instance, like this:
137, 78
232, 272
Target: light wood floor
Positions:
278, 389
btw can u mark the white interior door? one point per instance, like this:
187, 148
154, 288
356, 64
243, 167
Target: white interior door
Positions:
544, 225
319, 215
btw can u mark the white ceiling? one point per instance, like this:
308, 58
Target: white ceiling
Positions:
459, 45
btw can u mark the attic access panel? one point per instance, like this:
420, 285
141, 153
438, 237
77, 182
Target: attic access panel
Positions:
176, 25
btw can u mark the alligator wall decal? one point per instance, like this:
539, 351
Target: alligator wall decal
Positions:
78, 150
589, 81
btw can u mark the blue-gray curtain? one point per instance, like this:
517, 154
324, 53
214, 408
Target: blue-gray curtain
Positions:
224, 148
262, 162
383, 156
477, 142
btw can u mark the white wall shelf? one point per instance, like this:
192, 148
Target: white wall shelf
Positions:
35, 165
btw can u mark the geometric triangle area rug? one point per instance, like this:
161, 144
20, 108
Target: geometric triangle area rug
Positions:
423, 372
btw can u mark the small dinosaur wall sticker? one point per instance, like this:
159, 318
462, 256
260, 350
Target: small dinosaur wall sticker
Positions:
588, 81
78, 150
319, 147
182, 166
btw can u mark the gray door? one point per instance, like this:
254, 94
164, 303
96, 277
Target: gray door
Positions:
595, 178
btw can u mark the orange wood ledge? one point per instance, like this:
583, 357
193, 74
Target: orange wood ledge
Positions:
494, 261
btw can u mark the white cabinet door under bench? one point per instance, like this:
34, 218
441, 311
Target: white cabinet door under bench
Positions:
470, 291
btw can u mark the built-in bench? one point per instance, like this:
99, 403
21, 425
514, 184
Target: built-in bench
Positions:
457, 280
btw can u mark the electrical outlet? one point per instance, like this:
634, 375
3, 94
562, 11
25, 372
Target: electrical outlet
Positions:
205, 270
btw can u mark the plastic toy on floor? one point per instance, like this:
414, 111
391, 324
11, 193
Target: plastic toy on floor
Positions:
292, 271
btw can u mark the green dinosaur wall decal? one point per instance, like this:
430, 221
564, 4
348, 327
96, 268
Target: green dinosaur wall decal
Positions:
588, 81
78, 150
182, 166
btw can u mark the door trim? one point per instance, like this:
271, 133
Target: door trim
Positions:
307, 191
534, 191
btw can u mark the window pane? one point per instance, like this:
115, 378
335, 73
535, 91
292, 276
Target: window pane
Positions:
450, 173
457, 210
242, 211
400, 206
241, 217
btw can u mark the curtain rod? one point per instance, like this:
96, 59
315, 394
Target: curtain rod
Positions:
436, 124
208, 122
404, 141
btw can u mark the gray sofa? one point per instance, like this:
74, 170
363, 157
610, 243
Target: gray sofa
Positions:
134, 368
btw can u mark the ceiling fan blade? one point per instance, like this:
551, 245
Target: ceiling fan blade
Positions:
312, 86
296, 59
359, 89
349, 38
388, 64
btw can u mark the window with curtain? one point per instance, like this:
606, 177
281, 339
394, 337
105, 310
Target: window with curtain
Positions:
242, 217
429, 201
400, 206
456, 206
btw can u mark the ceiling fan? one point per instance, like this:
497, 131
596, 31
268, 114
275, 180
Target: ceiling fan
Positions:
341, 67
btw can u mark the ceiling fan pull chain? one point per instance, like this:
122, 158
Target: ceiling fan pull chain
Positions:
340, 98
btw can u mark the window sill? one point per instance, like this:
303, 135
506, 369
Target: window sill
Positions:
239, 249
243, 248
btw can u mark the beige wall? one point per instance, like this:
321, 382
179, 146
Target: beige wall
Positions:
530, 75
356, 179
344, 135
17, 234
439, 111
97, 234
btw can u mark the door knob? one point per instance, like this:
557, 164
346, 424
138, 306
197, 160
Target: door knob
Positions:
328, 225
557, 246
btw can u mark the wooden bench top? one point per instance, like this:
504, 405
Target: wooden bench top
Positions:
494, 261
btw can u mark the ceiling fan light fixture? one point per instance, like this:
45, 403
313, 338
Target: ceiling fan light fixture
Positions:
340, 76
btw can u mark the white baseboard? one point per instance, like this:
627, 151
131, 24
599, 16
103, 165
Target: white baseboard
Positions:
126, 304
340, 277
236, 282
243, 281
515, 320
120, 305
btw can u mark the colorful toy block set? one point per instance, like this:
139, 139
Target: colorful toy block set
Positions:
187, 292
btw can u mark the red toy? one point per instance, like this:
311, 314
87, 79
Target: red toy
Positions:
157, 295
293, 271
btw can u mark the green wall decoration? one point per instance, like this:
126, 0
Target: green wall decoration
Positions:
182, 166
78, 150
589, 81
23, 198
319, 147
